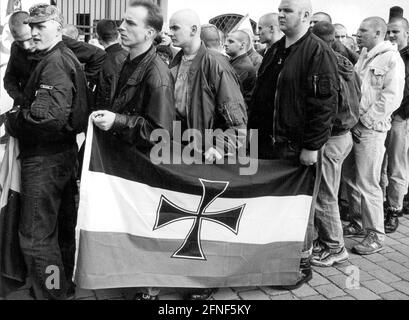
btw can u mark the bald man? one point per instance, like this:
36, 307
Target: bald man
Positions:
340, 33
396, 165
236, 44
295, 99
207, 93
254, 56
71, 31
269, 30
211, 37
320, 16
382, 73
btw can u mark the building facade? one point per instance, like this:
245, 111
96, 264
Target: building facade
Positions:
85, 14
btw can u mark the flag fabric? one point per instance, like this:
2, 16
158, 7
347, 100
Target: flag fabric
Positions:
245, 25
12, 267
187, 226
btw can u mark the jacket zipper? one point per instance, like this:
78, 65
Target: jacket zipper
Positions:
275, 109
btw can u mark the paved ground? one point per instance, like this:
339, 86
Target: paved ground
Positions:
383, 276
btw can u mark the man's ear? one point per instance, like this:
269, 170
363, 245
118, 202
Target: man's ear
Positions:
194, 30
151, 33
306, 15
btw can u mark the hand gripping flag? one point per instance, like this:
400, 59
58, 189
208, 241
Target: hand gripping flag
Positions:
197, 226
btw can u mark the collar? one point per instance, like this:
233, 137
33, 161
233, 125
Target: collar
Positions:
240, 57
114, 48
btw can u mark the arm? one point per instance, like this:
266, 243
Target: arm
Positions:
391, 95
87, 54
136, 130
231, 108
321, 99
50, 110
12, 79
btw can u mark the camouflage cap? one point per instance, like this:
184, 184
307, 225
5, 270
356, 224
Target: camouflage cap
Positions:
44, 12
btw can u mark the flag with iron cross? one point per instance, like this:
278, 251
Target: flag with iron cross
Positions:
187, 226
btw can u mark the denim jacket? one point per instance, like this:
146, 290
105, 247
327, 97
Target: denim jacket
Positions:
382, 72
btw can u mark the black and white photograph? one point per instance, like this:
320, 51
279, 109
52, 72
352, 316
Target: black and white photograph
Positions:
204, 156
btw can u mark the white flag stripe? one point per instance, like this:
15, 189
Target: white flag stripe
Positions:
112, 204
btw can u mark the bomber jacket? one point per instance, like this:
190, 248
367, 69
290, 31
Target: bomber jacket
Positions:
145, 103
382, 73
306, 95
247, 75
403, 111
216, 100
44, 125
22, 64
108, 74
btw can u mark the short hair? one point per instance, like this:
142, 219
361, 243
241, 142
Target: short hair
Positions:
324, 14
339, 26
71, 31
378, 23
165, 50
211, 39
107, 30
17, 19
325, 31
243, 37
403, 21
154, 18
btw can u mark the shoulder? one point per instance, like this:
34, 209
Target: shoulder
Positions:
158, 72
217, 62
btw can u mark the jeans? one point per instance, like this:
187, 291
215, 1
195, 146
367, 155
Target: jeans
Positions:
362, 175
327, 217
48, 221
396, 164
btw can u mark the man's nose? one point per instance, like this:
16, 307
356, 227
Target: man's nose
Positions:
121, 27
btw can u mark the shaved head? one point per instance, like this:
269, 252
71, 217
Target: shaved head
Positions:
188, 17
398, 32
210, 36
305, 5
294, 17
237, 43
71, 31
16, 22
185, 29
339, 26
270, 19
377, 24
401, 21
241, 36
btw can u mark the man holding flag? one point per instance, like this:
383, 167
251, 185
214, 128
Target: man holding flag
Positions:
295, 98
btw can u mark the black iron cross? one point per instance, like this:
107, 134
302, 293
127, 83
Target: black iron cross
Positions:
169, 213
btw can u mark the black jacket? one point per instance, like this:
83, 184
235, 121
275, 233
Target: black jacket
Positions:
146, 102
55, 92
247, 75
306, 96
22, 64
403, 111
108, 74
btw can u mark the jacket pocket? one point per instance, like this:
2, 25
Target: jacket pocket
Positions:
377, 77
39, 109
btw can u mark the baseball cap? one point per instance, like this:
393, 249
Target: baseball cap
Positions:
44, 12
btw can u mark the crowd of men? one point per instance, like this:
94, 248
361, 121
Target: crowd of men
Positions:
315, 96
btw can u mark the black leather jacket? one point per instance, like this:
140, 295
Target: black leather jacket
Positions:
108, 75
22, 64
306, 96
56, 97
146, 102
403, 111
